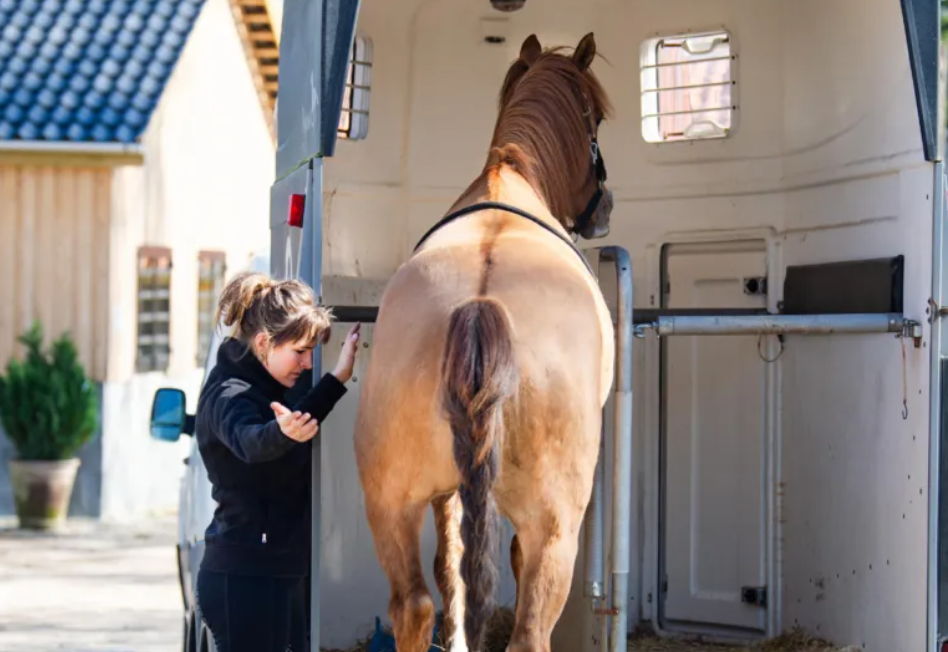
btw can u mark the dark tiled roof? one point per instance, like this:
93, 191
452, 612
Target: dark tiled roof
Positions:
87, 70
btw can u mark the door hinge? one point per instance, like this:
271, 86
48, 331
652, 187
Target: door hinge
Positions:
754, 595
665, 586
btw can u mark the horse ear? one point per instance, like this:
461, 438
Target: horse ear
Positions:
585, 52
530, 50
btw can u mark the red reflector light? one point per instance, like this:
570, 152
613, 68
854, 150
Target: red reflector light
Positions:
297, 202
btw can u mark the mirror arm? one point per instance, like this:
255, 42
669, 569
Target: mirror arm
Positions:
188, 425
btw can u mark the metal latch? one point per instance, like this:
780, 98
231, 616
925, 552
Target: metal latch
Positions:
755, 286
754, 595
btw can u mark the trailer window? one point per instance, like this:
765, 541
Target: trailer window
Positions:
688, 87
354, 119
212, 267
154, 308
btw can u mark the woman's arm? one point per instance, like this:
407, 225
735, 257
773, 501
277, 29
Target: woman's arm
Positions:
250, 437
322, 398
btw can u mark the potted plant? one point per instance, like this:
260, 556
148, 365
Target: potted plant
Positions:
49, 409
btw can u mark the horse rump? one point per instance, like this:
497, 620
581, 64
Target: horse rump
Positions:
479, 373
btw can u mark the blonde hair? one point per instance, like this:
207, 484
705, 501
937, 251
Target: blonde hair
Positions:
286, 311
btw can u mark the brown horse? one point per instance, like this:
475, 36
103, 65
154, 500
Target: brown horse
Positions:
492, 359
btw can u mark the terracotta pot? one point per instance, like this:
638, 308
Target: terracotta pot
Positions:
41, 490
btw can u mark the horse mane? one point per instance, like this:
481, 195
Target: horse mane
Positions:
537, 132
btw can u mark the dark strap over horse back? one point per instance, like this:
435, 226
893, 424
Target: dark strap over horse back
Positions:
489, 205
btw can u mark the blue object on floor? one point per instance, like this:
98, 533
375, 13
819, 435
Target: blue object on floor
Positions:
385, 642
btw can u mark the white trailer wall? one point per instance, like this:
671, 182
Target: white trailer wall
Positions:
855, 474
825, 164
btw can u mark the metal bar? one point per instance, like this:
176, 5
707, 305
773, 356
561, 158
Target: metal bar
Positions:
688, 87
594, 590
685, 63
780, 324
936, 615
353, 314
716, 321
688, 112
316, 282
369, 314
622, 450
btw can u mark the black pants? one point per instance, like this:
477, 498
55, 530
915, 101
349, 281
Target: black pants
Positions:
254, 614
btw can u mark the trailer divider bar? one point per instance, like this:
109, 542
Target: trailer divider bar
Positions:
769, 324
724, 321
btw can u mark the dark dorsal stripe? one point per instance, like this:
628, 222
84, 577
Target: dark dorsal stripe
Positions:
489, 205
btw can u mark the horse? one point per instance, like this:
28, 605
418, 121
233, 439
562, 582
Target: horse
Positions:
492, 358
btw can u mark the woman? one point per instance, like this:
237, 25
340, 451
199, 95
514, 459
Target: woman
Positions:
250, 587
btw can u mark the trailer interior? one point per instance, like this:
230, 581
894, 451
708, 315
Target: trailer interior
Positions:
779, 192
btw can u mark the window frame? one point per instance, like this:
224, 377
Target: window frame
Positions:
151, 258
207, 298
651, 90
354, 116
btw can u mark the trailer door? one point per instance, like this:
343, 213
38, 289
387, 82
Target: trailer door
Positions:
714, 429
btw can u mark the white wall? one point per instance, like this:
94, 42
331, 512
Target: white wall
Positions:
855, 474
205, 184
826, 161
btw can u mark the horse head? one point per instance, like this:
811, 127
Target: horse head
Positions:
551, 107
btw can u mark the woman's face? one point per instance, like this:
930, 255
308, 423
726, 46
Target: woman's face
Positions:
287, 361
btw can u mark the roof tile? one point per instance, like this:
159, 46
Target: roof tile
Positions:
87, 70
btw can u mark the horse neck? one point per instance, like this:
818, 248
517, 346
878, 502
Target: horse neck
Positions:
505, 185
533, 137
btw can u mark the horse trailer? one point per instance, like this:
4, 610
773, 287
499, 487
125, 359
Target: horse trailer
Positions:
771, 455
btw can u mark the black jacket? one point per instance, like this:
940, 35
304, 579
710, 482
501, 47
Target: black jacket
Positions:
261, 478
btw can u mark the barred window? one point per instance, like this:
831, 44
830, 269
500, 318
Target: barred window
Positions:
354, 119
688, 87
212, 268
154, 308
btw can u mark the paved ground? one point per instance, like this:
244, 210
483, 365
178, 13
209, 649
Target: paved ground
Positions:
92, 588
114, 588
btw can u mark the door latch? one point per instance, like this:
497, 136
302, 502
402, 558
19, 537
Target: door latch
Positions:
754, 595
755, 286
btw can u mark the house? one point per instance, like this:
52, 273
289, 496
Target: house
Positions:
136, 158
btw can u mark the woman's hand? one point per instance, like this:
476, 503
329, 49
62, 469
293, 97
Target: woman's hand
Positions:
296, 426
343, 370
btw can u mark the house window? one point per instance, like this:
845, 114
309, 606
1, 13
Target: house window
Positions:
154, 308
688, 87
354, 119
211, 270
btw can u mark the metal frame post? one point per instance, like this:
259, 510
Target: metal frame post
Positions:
617, 588
936, 616
316, 282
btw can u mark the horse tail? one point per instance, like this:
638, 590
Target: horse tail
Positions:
479, 374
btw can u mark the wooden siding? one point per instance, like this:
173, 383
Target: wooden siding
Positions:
260, 41
54, 257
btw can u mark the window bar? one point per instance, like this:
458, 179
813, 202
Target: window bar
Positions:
687, 63
688, 112
685, 88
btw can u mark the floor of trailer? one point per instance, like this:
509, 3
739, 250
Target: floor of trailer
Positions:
501, 625
790, 642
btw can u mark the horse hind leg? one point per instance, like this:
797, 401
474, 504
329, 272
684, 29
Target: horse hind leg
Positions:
447, 568
397, 534
543, 559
